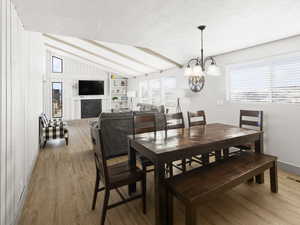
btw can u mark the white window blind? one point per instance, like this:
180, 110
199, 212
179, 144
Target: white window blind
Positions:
274, 80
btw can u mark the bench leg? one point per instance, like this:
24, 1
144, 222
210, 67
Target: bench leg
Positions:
190, 215
274, 178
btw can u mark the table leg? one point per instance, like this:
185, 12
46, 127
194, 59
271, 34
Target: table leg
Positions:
132, 164
161, 216
259, 148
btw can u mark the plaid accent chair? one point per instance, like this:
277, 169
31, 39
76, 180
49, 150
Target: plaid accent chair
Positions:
52, 129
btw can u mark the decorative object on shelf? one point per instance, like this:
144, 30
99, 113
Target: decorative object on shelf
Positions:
196, 70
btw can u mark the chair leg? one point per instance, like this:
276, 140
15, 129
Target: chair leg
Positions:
144, 191
226, 153
96, 191
190, 215
251, 180
183, 165
105, 206
205, 159
218, 155
170, 169
190, 161
274, 178
44, 145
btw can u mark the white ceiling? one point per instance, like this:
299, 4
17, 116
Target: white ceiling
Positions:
168, 26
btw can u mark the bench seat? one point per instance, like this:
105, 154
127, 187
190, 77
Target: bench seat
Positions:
197, 185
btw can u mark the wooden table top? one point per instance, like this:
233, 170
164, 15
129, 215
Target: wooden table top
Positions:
208, 137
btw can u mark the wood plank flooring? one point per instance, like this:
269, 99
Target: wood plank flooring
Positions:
61, 190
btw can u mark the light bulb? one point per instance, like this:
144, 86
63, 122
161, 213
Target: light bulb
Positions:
197, 71
188, 71
214, 70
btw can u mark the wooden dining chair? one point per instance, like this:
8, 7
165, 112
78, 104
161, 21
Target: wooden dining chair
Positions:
175, 121
144, 123
198, 119
251, 119
113, 177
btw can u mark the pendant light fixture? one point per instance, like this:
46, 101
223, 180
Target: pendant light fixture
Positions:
196, 71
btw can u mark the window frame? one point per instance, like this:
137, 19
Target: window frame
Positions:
62, 64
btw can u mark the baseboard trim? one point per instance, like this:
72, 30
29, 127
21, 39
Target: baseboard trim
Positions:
288, 167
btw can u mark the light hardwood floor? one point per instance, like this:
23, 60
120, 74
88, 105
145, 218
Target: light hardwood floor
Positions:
61, 189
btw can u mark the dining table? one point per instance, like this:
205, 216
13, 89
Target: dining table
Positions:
166, 146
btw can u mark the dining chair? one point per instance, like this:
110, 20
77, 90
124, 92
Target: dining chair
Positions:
113, 177
251, 119
144, 123
175, 121
198, 118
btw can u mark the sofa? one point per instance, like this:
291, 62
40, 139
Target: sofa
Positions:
117, 126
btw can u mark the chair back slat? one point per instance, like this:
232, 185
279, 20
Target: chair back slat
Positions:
196, 115
251, 119
144, 123
174, 121
100, 157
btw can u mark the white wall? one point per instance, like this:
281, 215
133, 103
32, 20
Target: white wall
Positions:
22, 62
73, 70
281, 121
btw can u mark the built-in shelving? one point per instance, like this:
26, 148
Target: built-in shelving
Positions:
118, 93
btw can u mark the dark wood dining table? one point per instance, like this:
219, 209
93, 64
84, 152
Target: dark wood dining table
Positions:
172, 145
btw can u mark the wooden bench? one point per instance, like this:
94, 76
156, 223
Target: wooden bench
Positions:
196, 186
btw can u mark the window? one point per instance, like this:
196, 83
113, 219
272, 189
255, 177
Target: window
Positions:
161, 91
57, 65
57, 109
155, 91
143, 91
273, 80
169, 93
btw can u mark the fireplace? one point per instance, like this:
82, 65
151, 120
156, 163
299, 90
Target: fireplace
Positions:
91, 108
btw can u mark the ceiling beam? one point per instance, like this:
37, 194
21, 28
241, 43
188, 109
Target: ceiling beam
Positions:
119, 53
91, 53
151, 52
109, 69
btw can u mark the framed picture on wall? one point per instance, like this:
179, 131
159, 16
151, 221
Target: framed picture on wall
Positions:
57, 65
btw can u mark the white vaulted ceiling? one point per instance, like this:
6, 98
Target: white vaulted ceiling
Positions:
116, 58
168, 26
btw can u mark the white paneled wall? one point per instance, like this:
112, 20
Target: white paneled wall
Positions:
73, 70
22, 63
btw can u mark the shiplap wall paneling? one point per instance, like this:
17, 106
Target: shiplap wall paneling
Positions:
22, 62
